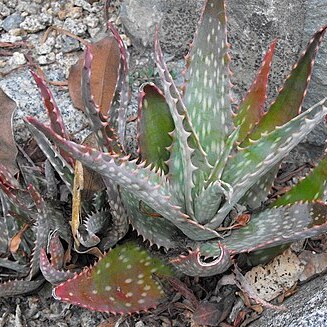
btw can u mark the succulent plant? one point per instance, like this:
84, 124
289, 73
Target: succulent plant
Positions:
200, 166
200, 183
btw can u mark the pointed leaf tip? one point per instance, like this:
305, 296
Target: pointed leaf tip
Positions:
119, 283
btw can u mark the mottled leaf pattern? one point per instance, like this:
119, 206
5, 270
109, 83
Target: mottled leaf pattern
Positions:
207, 81
17, 287
253, 162
282, 225
193, 264
143, 183
121, 282
50, 273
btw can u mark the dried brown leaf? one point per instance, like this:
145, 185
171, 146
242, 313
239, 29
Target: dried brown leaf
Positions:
17, 239
78, 186
104, 75
7, 143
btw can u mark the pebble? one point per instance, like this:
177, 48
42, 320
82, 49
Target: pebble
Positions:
36, 23
75, 26
67, 44
46, 47
84, 4
17, 59
11, 22
4, 10
91, 21
11, 3
47, 58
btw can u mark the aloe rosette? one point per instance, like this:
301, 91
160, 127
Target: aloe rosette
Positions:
202, 167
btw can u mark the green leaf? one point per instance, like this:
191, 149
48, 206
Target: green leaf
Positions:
150, 225
120, 283
61, 166
145, 184
250, 164
251, 108
272, 227
310, 188
289, 100
207, 85
154, 125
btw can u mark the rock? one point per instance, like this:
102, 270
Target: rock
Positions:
36, 23
67, 44
305, 308
46, 59
11, 4
84, 4
4, 10
75, 26
12, 22
46, 47
177, 17
17, 59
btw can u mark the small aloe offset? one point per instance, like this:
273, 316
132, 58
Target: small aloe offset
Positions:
200, 169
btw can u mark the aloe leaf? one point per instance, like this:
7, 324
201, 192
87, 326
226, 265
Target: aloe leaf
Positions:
42, 230
186, 163
122, 88
8, 179
50, 273
220, 164
15, 205
258, 193
157, 230
272, 227
18, 287
146, 185
154, 125
207, 203
253, 162
251, 108
311, 188
207, 81
55, 117
120, 224
120, 283
56, 250
97, 120
56, 121
193, 264
14, 265
289, 100
61, 166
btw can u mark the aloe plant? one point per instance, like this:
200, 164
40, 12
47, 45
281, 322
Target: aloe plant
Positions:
201, 168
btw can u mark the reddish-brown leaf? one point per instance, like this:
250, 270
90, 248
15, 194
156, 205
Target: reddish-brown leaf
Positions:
7, 143
104, 74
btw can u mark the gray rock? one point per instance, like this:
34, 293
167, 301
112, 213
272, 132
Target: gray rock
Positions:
4, 10
306, 308
67, 44
11, 22
36, 23
176, 17
20, 87
75, 26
